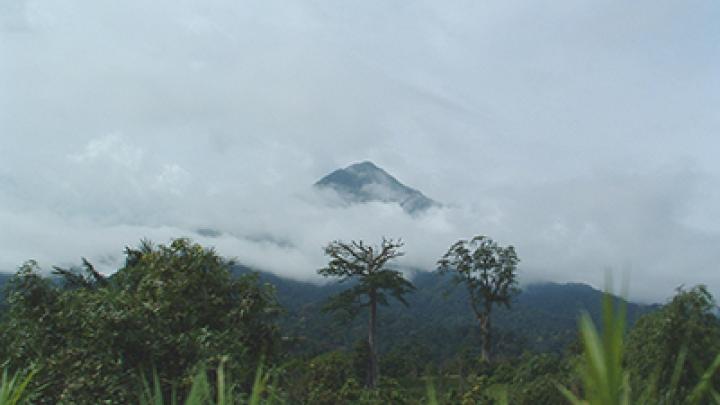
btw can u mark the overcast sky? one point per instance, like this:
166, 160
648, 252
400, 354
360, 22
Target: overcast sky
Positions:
585, 133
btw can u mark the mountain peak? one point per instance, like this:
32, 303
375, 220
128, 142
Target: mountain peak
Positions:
364, 165
365, 182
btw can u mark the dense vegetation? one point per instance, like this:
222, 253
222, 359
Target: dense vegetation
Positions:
179, 321
170, 308
437, 324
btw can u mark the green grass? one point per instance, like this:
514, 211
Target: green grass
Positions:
13, 390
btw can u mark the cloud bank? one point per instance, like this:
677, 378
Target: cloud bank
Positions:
583, 133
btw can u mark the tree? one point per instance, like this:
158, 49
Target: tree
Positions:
366, 265
489, 273
171, 308
668, 350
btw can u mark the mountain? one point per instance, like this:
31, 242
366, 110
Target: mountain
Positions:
365, 182
543, 318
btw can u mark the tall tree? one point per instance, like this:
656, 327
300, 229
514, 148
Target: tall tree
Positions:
366, 265
489, 272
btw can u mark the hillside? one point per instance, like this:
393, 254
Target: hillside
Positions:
438, 319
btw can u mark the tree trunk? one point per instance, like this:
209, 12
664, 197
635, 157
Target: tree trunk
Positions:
373, 368
484, 319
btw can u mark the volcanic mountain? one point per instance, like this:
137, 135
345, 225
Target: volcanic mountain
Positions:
365, 182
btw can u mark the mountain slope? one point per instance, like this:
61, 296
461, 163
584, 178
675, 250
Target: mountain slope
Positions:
365, 182
438, 319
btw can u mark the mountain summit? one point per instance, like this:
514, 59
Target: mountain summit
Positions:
365, 182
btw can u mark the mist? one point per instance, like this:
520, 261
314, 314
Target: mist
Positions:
582, 133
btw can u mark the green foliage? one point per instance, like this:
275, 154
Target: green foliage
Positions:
154, 395
170, 307
4, 278
13, 390
439, 328
485, 268
432, 398
605, 382
329, 378
178, 310
365, 265
224, 393
669, 348
489, 272
528, 379
479, 392
405, 360
389, 391
534, 378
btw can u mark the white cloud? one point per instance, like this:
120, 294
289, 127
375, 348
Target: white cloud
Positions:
173, 178
584, 133
110, 148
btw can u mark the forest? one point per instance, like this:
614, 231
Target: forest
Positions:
179, 324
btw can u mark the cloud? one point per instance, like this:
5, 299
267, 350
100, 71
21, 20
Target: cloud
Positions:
110, 148
584, 133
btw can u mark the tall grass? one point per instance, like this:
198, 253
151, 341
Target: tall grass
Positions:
605, 382
201, 392
13, 390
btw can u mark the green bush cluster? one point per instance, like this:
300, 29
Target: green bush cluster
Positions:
171, 308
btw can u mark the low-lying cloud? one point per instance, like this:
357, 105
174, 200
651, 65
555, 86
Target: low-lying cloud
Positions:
582, 133
638, 224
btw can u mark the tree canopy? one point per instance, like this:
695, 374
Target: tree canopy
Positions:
488, 271
170, 308
673, 346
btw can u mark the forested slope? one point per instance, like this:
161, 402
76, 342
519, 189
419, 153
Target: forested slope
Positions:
438, 322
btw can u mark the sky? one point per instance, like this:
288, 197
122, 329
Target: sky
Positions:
584, 133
